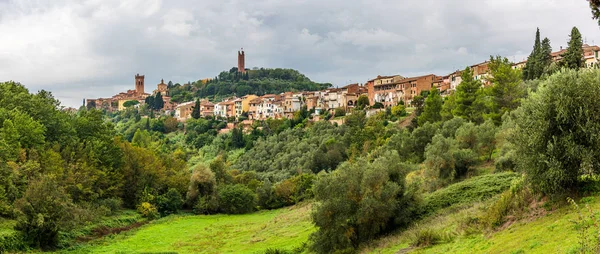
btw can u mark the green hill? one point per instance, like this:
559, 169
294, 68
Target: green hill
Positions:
232, 83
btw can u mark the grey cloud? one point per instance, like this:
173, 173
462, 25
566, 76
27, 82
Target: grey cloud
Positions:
94, 48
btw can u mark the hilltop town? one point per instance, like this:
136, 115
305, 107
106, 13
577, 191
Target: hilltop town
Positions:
381, 91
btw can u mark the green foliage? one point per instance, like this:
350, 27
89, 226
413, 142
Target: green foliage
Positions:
474, 189
362, 102
507, 89
411, 146
196, 110
130, 103
377, 105
339, 112
358, 202
169, 203
511, 202
573, 58
467, 93
148, 210
261, 81
43, 211
445, 161
398, 110
432, 108
556, 131
539, 59
236, 199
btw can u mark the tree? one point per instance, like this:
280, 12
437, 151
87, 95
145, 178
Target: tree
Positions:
358, 202
43, 211
130, 103
555, 133
531, 69
573, 57
236, 199
159, 103
237, 138
150, 102
546, 55
362, 102
433, 107
196, 110
595, 6
91, 105
466, 95
339, 112
507, 89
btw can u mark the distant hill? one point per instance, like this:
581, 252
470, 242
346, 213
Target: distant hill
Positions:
233, 83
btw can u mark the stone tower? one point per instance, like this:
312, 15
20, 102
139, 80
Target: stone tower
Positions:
139, 84
241, 61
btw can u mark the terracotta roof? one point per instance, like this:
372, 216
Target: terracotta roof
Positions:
382, 77
256, 100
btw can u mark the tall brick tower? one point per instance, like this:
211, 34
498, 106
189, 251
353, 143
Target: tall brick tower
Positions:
241, 61
139, 84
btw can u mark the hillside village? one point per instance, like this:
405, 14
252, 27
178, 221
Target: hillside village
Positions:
387, 91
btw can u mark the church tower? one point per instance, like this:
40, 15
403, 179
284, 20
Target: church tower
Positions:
241, 61
139, 84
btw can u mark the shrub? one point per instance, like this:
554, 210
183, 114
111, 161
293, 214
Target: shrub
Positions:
202, 183
113, 204
512, 201
339, 112
43, 211
207, 205
424, 237
236, 199
13, 242
148, 210
556, 135
169, 202
359, 201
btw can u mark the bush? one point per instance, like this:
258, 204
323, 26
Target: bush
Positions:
13, 242
359, 201
43, 211
207, 205
556, 133
236, 199
148, 210
424, 237
169, 203
113, 204
339, 112
511, 202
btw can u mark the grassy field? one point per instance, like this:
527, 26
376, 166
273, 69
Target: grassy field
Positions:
284, 228
551, 232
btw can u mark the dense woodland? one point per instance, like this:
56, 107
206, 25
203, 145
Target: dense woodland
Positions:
256, 81
368, 177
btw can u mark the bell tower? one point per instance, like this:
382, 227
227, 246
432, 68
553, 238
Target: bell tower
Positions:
139, 84
241, 61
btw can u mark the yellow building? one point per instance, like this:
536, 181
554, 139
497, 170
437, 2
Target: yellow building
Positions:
246, 102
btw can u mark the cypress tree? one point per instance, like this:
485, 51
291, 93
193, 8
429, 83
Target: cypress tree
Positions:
158, 102
196, 110
433, 108
573, 58
147, 123
531, 68
546, 55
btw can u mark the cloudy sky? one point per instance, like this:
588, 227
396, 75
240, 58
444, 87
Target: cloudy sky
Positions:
88, 49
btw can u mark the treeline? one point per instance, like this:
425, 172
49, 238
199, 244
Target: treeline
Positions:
233, 83
60, 170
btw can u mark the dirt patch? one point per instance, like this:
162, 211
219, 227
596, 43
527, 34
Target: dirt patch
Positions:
407, 121
102, 231
405, 250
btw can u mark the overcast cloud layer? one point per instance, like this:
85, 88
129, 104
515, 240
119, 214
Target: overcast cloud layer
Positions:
89, 49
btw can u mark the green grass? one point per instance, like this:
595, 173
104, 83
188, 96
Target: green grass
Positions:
469, 191
284, 228
6, 226
553, 233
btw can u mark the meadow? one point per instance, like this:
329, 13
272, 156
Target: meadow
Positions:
285, 228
